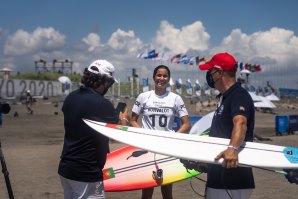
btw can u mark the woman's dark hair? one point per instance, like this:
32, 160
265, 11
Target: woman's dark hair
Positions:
92, 80
159, 67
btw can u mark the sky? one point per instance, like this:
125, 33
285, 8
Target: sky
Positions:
254, 31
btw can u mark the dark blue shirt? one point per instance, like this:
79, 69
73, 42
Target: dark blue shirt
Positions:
235, 101
84, 150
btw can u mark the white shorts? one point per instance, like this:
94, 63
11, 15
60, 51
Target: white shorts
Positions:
224, 193
82, 190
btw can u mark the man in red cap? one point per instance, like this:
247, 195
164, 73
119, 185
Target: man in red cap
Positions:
234, 120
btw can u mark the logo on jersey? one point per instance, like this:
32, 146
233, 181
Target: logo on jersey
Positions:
182, 106
137, 104
241, 108
220, 110
159, 110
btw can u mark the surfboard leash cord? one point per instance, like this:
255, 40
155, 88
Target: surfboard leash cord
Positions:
193, 189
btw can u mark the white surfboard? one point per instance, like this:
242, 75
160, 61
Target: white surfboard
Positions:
198, 148
202, 125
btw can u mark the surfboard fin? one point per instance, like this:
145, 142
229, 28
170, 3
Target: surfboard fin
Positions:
193, 165
137, 153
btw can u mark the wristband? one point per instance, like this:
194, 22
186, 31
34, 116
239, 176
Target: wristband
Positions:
233, 147
124, 119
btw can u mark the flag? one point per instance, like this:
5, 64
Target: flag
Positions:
253, 68
197, 60
188, 87
184, 59
258, 68
249, 67
162, 56
143, 55
176, 58
207, 89
178, 87
108, 173
198, 88
204, 60
246, 66
192, 60
240, 65
145, 85
152, 54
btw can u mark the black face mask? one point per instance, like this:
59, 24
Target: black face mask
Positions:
210, 80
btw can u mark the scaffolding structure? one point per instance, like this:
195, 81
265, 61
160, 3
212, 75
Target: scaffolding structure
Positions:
60, 66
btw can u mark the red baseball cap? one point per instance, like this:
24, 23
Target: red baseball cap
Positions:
223, 61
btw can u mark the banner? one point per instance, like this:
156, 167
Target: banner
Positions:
178, 87
188, 87
197, 88
145, 85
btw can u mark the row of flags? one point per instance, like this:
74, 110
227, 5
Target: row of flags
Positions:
249, 67
191, 60
177, 59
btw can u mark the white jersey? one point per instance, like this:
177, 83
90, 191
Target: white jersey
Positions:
158, 112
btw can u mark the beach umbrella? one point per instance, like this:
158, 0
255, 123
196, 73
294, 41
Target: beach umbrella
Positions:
272, 97
245, 71
64, 79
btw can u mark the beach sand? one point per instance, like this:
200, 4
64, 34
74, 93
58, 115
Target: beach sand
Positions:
32, 144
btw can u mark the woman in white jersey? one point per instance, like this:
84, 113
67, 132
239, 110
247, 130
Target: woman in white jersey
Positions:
158, 109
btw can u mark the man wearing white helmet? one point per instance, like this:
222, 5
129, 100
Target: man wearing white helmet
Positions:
29, 102
84, 151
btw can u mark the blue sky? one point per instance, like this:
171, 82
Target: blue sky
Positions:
255, 31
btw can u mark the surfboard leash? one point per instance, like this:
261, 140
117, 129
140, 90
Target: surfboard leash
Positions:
157, 175
193, 189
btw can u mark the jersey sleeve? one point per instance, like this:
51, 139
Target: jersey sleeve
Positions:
241, 105
181, 109
137, 107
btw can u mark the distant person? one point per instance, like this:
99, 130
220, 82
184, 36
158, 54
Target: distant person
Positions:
158, 109
234, 120
29, 102
84, 151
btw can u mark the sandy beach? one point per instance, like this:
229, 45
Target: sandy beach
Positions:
32, 144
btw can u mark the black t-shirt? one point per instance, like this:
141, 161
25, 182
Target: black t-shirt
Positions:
84, 150
235, 101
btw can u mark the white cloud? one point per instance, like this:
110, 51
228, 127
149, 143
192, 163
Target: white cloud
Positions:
277, 44
41, 39
190, 37
92, 40
125, 41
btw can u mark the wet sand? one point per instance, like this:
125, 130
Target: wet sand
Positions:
32, 144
